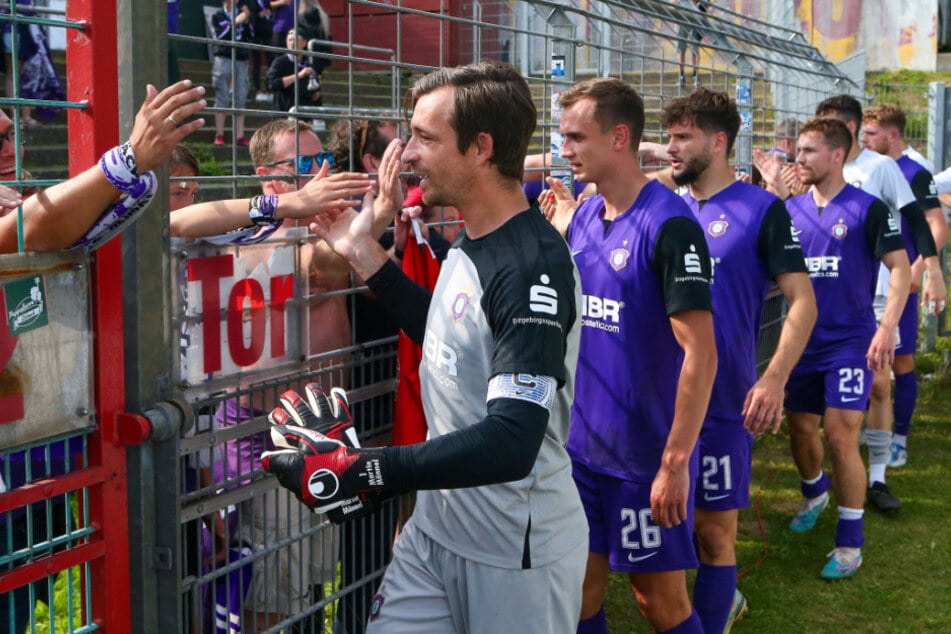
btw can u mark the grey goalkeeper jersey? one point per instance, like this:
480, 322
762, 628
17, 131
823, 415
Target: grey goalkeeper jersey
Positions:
508, 302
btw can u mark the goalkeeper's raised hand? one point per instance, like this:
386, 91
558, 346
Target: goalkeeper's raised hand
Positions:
328, 416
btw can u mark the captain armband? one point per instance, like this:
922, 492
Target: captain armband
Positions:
534, 388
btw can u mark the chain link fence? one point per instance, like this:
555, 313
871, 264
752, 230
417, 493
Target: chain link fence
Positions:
251, 321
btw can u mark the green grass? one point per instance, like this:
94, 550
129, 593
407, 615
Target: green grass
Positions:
905, 578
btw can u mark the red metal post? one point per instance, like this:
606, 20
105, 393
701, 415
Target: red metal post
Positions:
92, 76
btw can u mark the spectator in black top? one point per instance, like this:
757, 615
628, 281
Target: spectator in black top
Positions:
232, 23
295, 71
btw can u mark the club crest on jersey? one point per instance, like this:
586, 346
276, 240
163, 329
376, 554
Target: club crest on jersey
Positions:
619, 258
718, 227
459, 306
839, 230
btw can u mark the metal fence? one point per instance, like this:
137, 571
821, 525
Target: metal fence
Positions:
213, 543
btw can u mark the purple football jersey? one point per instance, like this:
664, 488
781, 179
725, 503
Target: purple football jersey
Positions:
751, 240
650, 262
842, 244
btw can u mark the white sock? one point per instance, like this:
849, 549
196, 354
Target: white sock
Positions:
876, 473
846, 513
900, 439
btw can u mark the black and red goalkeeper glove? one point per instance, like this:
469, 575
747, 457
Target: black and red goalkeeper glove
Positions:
318, 413
330, 475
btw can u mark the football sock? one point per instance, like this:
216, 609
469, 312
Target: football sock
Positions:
849, 530
879, 450
900, 439
597, 624
690, 626
906, 394
713, 595
815, 487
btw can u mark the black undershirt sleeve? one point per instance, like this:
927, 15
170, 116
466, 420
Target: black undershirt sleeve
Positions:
920, 231
500, 448
406, 301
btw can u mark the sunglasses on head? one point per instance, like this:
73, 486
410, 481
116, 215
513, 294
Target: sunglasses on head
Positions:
306, 163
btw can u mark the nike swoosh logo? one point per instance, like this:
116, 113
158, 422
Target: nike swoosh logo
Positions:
576, 252
634, 560
713, 498
850, 400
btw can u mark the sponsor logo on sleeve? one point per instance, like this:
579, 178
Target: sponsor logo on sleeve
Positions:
693, 268
543, 298
894, 226
794, 233
692, 261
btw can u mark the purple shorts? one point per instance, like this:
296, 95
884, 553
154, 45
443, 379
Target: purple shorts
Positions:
843, 383
726, 459
620, 523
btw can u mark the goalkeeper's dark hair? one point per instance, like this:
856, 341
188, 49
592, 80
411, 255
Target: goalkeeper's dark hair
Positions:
490, 97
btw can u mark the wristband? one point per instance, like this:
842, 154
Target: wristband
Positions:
245, 235
262, 210
115, 218
119, 167
399, 253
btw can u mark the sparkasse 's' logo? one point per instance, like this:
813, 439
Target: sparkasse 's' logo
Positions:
542, 298
692, 261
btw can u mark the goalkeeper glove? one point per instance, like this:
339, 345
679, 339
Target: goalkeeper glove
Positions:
321, 461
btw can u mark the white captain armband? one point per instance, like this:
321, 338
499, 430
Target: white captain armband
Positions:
534, 388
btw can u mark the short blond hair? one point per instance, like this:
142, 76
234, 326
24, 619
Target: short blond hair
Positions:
887, 115
262, 142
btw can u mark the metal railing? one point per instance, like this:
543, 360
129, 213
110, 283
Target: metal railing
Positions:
202, 515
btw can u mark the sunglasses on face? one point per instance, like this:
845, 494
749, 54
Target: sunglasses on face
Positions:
306, 163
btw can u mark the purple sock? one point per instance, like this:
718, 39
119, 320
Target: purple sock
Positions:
597, 624
713, 595
849, 533
690, 626
906, 394
816, 489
